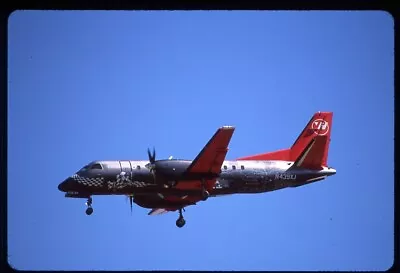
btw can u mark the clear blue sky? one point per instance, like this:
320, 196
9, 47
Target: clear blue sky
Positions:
89, 86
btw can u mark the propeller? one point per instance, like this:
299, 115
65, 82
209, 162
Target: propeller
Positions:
151, 165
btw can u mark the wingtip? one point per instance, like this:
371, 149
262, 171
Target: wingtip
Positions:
227, 127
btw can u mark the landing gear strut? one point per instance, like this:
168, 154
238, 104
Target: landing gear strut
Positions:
204, 193
181, 221
89, 210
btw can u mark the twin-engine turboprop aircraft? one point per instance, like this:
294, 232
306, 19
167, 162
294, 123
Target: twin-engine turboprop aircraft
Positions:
173, 184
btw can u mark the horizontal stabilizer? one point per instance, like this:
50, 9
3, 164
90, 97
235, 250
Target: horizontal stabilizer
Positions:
277, 155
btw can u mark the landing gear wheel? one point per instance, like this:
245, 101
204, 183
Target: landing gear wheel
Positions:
89, 210
180, 222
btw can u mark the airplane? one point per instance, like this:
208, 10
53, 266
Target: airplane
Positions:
172, 184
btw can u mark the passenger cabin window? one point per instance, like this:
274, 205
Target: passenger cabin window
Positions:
233, 167
225, 167
96, 166
242, 167
138, 167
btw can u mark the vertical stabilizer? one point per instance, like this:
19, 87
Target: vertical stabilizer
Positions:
311, 146
319, 128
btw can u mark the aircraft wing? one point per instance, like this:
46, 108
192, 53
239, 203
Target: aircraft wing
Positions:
211, 157
208, 161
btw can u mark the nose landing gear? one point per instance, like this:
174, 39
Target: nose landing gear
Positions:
89, 210
181, 221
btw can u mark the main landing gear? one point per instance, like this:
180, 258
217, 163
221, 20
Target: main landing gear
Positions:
181, 221
204, 193
89, 210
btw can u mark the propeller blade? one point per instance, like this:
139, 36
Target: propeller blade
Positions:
131, 201
149, 154
152, 157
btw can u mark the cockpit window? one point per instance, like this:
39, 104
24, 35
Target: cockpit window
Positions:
84, 168
96, 166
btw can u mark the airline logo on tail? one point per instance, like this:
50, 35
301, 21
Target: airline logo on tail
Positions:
320, 127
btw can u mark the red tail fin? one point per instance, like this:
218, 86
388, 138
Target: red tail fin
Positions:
319, 128
319, 125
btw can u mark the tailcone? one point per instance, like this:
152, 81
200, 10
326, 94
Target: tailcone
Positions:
328, 171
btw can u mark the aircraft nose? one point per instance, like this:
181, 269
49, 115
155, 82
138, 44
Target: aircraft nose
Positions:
64, 185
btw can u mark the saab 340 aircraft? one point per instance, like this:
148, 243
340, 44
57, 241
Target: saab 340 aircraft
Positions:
172, 184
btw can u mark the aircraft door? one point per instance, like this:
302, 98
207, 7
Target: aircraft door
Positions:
126, 167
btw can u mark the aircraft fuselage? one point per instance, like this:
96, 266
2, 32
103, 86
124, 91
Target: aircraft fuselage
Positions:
130, 177
172, 184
